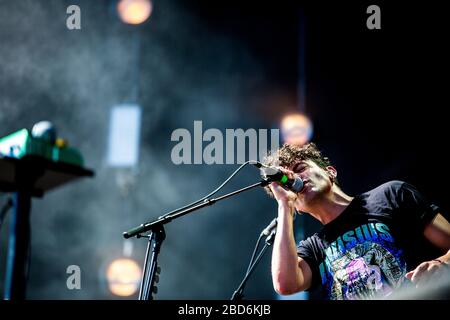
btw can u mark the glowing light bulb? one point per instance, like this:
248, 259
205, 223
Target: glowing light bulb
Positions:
134, 11
296, 129
124, 276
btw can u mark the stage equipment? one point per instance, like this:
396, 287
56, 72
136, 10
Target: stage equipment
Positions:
30, 165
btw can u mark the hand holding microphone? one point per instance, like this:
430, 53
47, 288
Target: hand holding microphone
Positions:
285, 184
287, 179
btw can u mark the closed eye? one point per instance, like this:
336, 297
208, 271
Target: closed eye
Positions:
300, 168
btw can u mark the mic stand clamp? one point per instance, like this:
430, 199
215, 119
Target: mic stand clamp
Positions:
150, 274
270, 238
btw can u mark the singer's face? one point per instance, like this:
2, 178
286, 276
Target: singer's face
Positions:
316, 181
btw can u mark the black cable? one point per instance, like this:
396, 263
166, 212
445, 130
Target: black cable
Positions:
254, 252
213, 192
238, 293
271, 235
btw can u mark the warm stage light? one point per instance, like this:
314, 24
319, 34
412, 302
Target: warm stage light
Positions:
134, 11
296, 129
124, 276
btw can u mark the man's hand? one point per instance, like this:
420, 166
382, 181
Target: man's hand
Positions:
428, 270
284, 197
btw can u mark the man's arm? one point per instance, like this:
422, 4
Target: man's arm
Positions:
438, 233
290, 274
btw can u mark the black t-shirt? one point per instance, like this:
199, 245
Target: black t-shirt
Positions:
366, 251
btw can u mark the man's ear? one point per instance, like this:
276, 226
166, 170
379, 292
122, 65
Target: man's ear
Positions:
332, 172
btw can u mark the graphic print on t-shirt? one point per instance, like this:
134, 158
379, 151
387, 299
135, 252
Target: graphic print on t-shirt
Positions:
362, 263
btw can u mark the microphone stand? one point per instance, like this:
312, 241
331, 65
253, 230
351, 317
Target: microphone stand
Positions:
157, 235
239, 293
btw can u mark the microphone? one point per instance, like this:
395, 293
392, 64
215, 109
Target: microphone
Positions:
273, 225
272, 174
270, 227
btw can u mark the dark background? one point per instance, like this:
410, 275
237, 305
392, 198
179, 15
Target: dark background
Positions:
376, 98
